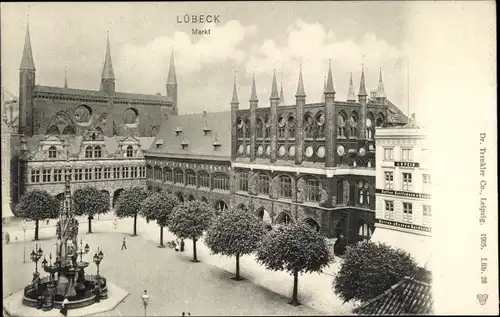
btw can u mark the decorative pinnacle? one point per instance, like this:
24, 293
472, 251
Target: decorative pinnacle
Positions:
362, 88
253, 95
351, 96
172, 77
27, 62
274, 89
107, 70
380, 87
329, 81
300, 86
235, 92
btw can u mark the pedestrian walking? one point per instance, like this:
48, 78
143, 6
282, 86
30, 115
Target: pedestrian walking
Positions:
177, 244
124, 244
114, 223
48, 220
182, 245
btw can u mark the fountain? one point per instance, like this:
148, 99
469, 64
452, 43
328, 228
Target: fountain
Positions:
66, 275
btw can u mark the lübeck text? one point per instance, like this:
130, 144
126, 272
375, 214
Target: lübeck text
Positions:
198, 18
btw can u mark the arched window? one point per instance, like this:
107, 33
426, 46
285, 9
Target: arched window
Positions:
247, 128
97, 151
167, 174
285, 186
353, 125
149, 171
312, 190
178, 176
239, 127
158, 173
341, 122
52, 152
130, 151
88, 152
291, 127
220, 182
267, 124
191, 178
364, 231
263, 184
380, 120
282, 127
203, 179
369, 126
259, 125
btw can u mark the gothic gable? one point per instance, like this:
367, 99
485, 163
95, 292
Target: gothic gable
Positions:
61, 123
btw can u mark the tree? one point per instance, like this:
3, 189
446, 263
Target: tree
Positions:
234, 233
368, 269
129, 204
90, 201
159, 207
294, 248
38, 205
190, 220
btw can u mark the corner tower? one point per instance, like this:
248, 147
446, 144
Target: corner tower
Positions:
26, 86
172, 83
108, 75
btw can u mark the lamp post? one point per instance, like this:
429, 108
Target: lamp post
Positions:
145, 301
83, 250
98, 256
24, 241
36, 255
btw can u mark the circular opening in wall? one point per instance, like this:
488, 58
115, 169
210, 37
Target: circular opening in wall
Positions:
260, 150
320, 152
130, 116
83, 114
309, 151
291, 150
282, 150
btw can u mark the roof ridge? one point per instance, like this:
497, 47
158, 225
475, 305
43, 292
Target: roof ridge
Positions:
388, 291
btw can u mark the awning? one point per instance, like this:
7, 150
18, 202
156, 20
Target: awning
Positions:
417, 245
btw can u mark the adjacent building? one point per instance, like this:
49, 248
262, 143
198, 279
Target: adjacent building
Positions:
103, 132
403, 190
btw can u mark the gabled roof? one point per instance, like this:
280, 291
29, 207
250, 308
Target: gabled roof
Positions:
394, 114
190, 130
408, 297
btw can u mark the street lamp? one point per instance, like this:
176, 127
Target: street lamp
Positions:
36, 255
145, 301
98, 256
24, 241
83, 250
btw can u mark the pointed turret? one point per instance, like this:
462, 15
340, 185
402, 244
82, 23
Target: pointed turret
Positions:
300, 86
329, 81
108, 75
362, 87
172, 77
27, 62
380, 87
107, 70
253, 95
65, 77
282, 98
235, 93
172, 82
323, 93
274, 89
351, 96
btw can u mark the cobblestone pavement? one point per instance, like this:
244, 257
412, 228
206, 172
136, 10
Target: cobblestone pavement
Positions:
182, 285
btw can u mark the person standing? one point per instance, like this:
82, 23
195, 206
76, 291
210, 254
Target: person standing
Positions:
124, 244
182, 245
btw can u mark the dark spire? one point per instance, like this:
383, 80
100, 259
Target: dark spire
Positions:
27, 62
351, 96
300, 86
253, 95
329, 81
274, 89
362, 88
235, 93
107, 70
282, 98
65, 77
172, 78
380, 87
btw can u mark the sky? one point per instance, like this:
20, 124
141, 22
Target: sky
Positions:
249, 38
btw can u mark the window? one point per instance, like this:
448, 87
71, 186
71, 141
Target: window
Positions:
142, 171
267, 132
389, 209
353, 126
130, 151
46, 176
388, 154
78, 174
52, 152
178, 176
97, 151
191, 178
407, 184
107, 172
312, 190
149, 171
361, 196
157, 173
221, 182
263, 184
406, 155
341, 121
88, 152
125, 172
167, 174
98, 173
285, 187
35, 176
247, 128
204, 179
133, 172
389, 180
291, 127
58, 173
407, 212
116, 172
426, 216
426, 180
243, 181
88, 174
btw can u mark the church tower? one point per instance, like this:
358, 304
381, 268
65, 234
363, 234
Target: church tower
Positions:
108, 75
172, 83
26, 86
